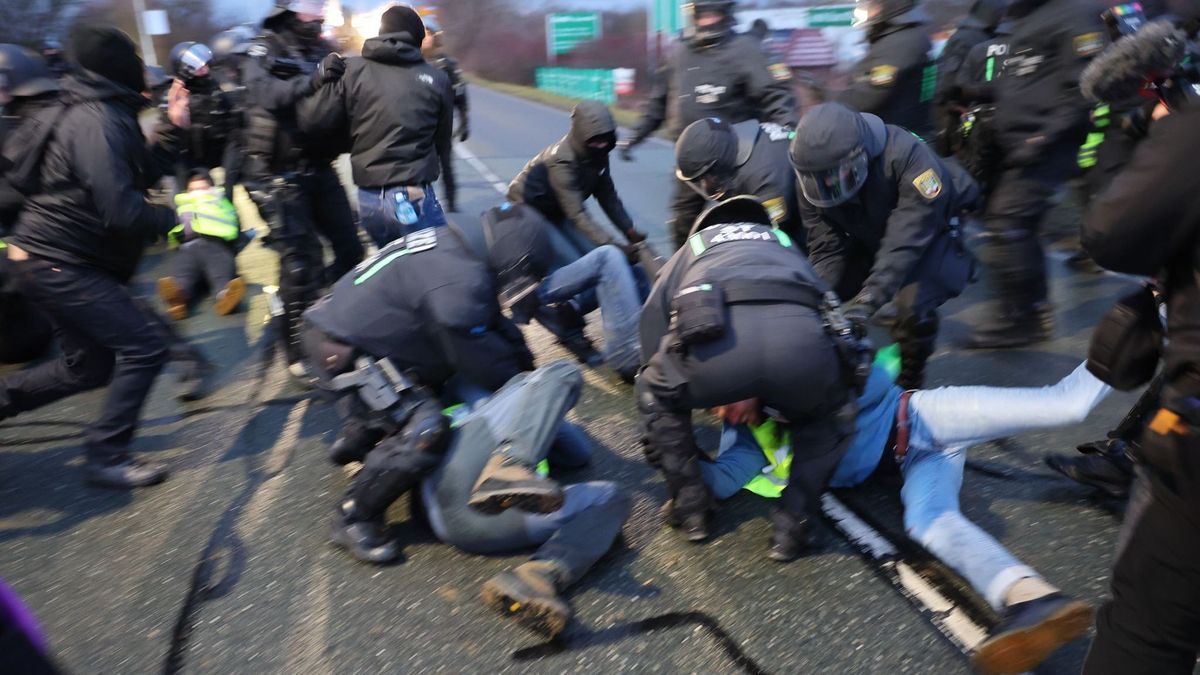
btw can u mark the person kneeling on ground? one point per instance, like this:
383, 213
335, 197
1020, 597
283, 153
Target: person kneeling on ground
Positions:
927, 433
517, 242
418, 326
207, 237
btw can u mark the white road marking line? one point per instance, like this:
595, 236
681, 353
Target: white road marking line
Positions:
476, 163
954, 623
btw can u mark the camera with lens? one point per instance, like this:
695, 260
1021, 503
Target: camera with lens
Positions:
1151, 60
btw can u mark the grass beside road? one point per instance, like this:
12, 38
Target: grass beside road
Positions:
624, 118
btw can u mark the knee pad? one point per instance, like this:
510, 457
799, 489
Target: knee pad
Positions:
427, 431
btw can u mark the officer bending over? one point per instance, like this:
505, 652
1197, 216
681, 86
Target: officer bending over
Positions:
398, 111
927, 433
881, 210
895, 81
718, 160
739, 313
288, 173
417, 327
436, 55
713, 72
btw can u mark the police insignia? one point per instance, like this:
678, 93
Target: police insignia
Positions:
928, 184
776, 209
882, 76
257, 50
1088, 43
780, 72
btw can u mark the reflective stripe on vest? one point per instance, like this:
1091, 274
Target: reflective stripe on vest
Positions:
212, 215
776, 444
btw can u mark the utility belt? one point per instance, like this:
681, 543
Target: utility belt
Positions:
388, 395
699, 314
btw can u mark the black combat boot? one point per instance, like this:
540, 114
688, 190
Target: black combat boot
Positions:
1017, 326
1105, 465
364, 536
566, 324
791, 536
529, 593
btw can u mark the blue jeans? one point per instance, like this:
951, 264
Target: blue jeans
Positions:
377, 213
944, 422
605, 271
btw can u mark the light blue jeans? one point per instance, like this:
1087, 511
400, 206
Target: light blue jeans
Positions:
605, 271
944, 423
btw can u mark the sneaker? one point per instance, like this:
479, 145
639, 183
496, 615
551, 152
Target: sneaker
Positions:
366, 540
174, 297
125, 474
230, 297
506, 483
1031, 632
529, 594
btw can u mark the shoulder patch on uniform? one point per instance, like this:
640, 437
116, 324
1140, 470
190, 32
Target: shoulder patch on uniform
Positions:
257, 50
1088, 43
928, 184
776, 209
882, 76
780, 72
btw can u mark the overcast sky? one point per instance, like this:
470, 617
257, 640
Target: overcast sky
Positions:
252, 10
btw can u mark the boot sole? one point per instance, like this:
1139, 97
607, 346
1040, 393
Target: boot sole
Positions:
339, 540
115, 485
171, 294
231, 297
492, 502
1020, 650
547, 618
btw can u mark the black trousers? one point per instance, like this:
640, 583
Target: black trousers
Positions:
686, 207
103, 336
1152, 623
203, 263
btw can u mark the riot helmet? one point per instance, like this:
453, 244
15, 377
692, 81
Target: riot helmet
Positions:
23, 73
191, 61
740, 210
706, 157
708, 21
832, 151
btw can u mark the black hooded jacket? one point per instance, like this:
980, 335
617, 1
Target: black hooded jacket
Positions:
90, 204
890, 81
980, 25
397, 109
562, 176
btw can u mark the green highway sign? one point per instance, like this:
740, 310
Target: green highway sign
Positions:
566, 30
831, 16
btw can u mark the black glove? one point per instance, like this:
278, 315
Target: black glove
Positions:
330, 69
464, 131
635, 236
859, 312
625, 150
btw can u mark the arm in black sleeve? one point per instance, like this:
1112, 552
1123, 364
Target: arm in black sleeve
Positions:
103, 152
570, 200
459, 85
912, 225
1135, 225
443, 136
165, 149
656, 312
654, 110
325, 111
610, 202
270, 92
874, 79
1072, 110
826, 245
776, 102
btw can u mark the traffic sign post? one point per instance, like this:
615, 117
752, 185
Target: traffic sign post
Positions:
566, 30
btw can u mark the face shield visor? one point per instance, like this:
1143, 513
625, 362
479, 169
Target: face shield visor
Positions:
193, 63
827, 188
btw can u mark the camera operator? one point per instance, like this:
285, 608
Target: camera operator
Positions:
1147, 223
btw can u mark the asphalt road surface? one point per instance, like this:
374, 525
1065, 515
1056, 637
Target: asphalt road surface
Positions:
226, 568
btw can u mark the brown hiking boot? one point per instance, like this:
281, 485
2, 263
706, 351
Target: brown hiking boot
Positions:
174, 297
230, 297
1031, 632
506, 483
529, 594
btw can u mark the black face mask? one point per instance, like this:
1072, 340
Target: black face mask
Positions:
307, 31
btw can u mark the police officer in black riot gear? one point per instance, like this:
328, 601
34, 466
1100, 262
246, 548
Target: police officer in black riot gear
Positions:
436, 55
713, 72
720, 160
881, 210
1040, 123
895, 81
738, 316
948, 99
214, 111
288, 173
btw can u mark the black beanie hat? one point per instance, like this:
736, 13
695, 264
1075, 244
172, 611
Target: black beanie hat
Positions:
403, 19
108, 52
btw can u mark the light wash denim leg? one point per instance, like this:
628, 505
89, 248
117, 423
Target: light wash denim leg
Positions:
944, 423
605, 270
